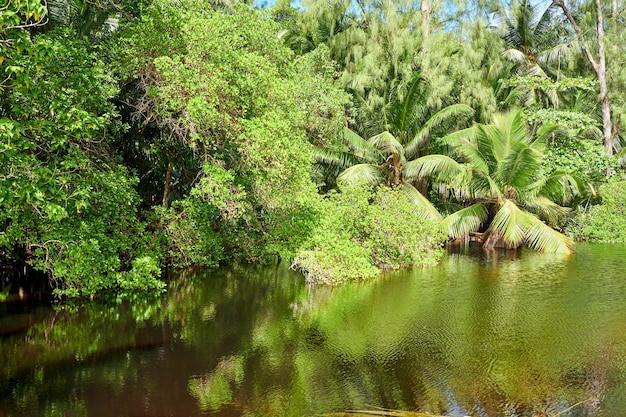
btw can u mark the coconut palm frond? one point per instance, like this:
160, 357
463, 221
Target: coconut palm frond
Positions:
535, 70
453, 139
341, 160
515, 55
511, 127
424, 208
387, 143
361, 148
432, 166
512, 223
519, 167
363, 173
464, 221
481, 152
454, 111
592, 133
414, 99
546, 208
484, 186
560, 186
543, 238
555, 54
542, 134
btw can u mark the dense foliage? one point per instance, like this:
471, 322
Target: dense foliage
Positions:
360, 231
603, 222
141, 135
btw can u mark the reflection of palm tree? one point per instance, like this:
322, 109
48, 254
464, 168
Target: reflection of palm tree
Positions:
500, 174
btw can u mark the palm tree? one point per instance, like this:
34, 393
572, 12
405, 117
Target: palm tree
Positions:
499, 172
406, 110
381, 158
534, 34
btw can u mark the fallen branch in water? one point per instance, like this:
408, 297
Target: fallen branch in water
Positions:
383, 412
573, 406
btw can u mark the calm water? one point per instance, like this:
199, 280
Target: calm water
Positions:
499, 335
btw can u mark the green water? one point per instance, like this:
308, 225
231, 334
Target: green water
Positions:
505, 334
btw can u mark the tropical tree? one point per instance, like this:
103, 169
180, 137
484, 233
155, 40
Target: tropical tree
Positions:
534, 34
381, 159
598, 62
497, 168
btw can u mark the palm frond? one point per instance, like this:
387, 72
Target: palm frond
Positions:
543, 238
387, 143
535, 70
515, 55
512, 223
360, 147
520, 166
545, 208
439, 166
455, 110
341, 160
363, 173
423, 207
413, 97
482, 152
560, 186
464, 221
483, 186
543, 134
507, 129
555, 54
453, 139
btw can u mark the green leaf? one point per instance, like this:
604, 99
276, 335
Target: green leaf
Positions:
424, 208
363, 173
512, 223
464, 221
543, 238
438, 166
387, 143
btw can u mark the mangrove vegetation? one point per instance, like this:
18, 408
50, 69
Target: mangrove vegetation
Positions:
341, 137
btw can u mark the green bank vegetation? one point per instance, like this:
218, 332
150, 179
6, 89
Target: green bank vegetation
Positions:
343, 137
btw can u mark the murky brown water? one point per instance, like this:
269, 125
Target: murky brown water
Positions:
499, 335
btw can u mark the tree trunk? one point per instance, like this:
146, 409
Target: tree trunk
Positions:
604, 91
426, 11
168, 184
492, 238
600, 69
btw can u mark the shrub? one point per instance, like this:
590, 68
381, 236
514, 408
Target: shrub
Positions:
604, 222
361, 232
396, 237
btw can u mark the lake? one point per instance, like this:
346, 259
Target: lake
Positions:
482, 334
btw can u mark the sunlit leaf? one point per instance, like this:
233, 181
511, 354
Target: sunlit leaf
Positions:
463, 222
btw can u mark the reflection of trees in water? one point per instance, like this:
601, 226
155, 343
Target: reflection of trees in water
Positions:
486, 338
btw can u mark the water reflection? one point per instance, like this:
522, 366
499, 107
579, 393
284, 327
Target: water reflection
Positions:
495, 334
